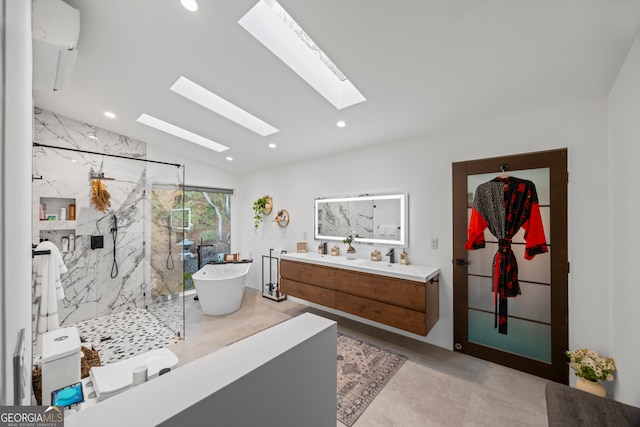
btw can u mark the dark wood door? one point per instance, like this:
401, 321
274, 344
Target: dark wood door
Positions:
538, 319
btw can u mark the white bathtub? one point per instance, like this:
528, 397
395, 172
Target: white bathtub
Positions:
220, 287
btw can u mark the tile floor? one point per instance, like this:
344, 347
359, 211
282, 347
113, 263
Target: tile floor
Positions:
434, 387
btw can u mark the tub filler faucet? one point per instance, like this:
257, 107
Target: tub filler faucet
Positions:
391, 255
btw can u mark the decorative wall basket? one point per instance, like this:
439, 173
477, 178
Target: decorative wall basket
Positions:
268, 207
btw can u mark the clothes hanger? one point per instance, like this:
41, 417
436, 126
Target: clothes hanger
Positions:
503, 168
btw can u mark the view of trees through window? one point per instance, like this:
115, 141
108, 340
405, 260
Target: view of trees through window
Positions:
191, 227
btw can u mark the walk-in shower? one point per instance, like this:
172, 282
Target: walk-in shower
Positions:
119, 279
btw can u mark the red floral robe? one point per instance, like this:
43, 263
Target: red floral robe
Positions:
504, 205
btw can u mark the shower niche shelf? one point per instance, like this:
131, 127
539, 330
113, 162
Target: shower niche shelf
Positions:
62, 233
53, 205
56, 237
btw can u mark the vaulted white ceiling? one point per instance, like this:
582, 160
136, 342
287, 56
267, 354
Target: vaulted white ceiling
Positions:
423, 66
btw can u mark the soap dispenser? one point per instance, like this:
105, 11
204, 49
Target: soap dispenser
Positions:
404, 257
322, 248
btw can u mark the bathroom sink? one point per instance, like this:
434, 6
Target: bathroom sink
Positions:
375, 264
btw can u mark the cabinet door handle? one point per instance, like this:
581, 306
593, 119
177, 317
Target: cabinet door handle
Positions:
460, 261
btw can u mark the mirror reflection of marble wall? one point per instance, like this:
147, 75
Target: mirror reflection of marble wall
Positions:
342, 219
373, 219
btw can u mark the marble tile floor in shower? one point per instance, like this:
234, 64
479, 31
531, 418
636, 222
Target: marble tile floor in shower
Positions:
121, 335
434, 387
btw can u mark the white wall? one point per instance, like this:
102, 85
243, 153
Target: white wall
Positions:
422, 167
15, 191
624, 133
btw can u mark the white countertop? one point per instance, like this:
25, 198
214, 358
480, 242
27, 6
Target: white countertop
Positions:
414, 272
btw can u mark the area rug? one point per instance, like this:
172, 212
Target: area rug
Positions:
363, 370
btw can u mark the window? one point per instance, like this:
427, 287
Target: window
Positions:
199, 224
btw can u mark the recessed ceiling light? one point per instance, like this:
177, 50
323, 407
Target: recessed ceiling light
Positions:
272, 145
190, 5
272, 26
180, 133
213, 102
229, 159
341, 123
110, 114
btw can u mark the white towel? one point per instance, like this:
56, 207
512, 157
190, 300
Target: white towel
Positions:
49, 289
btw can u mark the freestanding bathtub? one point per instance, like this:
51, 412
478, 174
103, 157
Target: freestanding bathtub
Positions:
220, 287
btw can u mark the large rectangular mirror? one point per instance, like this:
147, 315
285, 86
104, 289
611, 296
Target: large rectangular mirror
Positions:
369, 218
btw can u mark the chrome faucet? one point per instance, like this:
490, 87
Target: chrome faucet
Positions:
391, 255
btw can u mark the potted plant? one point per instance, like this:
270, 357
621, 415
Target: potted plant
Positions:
590, 367
351, 251
262, 206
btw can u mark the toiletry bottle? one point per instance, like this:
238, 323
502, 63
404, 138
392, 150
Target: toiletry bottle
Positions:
63, 214
43, 212
404, 257
72, 212
72, 242
65, 244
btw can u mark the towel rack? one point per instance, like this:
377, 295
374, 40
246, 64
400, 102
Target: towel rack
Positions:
36, 253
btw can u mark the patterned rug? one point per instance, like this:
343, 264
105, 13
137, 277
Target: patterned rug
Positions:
363, 370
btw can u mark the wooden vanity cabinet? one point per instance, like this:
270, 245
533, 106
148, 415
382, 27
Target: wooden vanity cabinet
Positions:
404, 304
309, 282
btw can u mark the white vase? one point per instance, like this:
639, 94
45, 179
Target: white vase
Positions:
591, 387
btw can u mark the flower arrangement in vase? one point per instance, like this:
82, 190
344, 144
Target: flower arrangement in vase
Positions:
351, 251
590, 367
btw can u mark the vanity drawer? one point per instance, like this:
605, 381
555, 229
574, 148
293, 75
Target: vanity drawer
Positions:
308, 273
322, 296
402, 293
398, 317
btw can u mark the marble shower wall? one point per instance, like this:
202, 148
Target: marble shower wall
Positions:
90, 291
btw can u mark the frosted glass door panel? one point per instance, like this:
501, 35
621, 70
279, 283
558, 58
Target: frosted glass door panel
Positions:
545, 214
546, 221
537, 269
534, 303
540, 177
529, 314
529, 339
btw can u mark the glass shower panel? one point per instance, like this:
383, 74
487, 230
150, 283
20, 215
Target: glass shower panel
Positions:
529, 329
165, 278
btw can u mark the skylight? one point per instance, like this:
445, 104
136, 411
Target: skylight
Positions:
180, 133
272, 26
213, 102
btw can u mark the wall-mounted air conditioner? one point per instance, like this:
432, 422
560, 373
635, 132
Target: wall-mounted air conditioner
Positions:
56, 27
